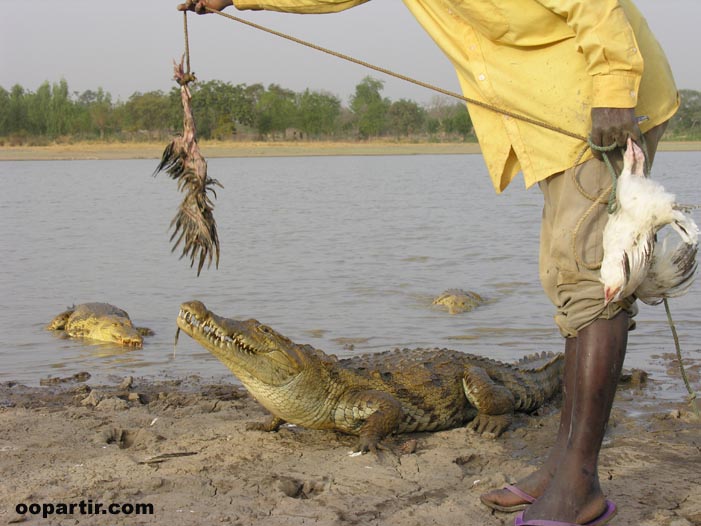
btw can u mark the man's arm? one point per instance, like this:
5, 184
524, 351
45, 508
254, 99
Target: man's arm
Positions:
606, 39
198, 6
286, 6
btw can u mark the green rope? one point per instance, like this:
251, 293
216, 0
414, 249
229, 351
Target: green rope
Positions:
604, 150
692, 394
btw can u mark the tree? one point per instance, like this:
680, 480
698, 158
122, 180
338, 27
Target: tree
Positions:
276, 110
405, 117
687, 121
150, 111
318, 113
60, 111
369, 107
459, 121
39, 109
98, 109
4, 111
219, 106
17, 110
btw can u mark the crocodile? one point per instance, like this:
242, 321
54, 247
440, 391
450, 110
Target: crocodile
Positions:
99, 321
371, 395
458, 300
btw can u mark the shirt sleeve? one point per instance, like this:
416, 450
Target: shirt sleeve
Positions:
605, 37
298, 6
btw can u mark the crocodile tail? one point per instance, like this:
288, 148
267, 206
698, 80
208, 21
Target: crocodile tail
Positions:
540, 378
551, 373
536, 360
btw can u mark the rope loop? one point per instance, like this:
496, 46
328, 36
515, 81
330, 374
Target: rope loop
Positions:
605, 150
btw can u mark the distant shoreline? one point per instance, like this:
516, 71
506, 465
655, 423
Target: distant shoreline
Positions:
214, 149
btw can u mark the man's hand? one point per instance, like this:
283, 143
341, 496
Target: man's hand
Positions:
199, 6
613, 125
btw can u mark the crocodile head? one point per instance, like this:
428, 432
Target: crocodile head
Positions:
114, 329
259, 356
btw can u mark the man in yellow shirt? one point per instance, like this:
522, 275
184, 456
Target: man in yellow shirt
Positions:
590, 68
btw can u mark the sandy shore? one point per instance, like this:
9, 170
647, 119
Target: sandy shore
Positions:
182, 447
212, 149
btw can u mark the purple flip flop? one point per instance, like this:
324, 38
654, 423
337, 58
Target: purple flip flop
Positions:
608, 514
516, 507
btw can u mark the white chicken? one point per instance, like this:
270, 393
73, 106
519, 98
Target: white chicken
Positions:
643, 208
671, 272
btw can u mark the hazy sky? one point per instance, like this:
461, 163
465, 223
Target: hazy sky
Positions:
126, 47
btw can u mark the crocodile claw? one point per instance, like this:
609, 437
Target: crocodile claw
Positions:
490, 426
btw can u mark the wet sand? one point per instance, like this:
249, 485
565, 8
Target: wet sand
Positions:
182, 446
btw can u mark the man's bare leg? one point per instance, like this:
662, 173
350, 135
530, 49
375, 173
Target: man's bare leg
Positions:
574, 493
535, 483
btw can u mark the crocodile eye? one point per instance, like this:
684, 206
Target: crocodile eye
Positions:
265, 329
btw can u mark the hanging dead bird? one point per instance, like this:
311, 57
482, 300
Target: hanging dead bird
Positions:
193, 225
643, 208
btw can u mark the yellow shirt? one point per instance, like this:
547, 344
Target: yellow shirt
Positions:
550, 60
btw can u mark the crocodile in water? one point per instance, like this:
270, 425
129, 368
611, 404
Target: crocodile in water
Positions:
99, 321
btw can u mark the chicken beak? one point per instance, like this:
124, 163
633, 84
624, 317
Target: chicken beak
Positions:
610, 294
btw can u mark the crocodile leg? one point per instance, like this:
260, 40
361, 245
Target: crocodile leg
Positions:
59, 322
494, 402
273, 423
375, 414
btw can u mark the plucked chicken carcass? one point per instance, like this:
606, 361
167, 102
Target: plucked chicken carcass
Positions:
182, 160
630, 248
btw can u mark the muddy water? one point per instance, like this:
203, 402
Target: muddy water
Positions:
344, 253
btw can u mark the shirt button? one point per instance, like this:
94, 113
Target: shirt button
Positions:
482, 77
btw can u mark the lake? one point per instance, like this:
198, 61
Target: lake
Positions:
343, 253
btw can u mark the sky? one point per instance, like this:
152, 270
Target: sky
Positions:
128, 47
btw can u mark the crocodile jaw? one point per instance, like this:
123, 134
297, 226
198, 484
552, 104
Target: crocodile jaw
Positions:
248, 348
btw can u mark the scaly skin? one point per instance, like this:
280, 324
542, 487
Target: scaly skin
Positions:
99, 321
372, 395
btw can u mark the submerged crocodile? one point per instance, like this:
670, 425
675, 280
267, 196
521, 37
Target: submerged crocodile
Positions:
458, 300
99, 321
371, 395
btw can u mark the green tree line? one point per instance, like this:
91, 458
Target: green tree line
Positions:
226, 111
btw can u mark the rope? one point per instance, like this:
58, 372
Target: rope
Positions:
605, 150
187, 43
399, 76
692, 394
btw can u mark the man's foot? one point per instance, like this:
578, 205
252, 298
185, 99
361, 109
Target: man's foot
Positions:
503, 499
519, 496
